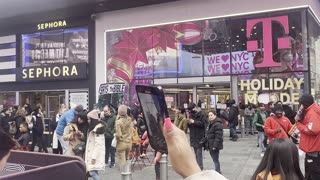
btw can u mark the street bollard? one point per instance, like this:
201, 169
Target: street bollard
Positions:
164, 167
242, 127
126, 172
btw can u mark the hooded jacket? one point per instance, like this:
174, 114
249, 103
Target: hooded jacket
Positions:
309, 129
214, 134
95, 148
124, 126
233, 114
273, 123
66, 118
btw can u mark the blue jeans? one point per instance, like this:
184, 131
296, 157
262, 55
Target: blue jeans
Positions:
215, 157
94, 175
261, 137
248, 125
233, 131
198, 152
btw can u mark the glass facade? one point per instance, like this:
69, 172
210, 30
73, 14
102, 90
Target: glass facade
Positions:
264, 54
314, 55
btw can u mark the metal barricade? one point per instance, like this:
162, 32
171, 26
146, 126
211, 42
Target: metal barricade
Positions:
39, 166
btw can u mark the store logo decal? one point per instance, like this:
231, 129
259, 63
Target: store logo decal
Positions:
283, 42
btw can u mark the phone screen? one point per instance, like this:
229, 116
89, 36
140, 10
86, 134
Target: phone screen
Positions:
154, 110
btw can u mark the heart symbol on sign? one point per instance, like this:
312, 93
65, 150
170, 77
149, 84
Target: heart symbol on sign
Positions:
225, 58
225, 67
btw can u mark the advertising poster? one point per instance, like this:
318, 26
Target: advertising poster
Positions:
55, 47
79, 98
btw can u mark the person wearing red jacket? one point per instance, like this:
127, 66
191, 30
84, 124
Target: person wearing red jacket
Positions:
308, 123
277, 126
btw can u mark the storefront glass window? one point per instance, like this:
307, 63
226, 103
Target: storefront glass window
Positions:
263, 88
250, 48
256, 49
190, 48
216, 44
314, 55
7, 100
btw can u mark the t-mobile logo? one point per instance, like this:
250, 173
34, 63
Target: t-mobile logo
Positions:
283, 43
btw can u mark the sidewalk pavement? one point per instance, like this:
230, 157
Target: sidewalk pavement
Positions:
238, 162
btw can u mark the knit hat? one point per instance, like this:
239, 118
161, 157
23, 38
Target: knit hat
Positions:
94, 114
78, 108
277, 107
122, 110
306, 100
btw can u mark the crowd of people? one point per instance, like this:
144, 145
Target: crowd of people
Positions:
96, 137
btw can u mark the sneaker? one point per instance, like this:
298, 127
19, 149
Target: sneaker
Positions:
142, 155
111, 165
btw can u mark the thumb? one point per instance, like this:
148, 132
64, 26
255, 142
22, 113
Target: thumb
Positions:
168, 130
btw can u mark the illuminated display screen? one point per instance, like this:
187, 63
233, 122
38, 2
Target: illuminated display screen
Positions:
63, 46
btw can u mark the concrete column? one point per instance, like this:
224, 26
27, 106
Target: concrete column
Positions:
18, 98
306, 60
194, 94
67, 99
234, 88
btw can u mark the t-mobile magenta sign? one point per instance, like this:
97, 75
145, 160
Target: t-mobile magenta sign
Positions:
283, 43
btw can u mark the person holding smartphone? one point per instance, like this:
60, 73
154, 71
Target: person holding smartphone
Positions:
308, 123
196, 124
75, 132
181, 157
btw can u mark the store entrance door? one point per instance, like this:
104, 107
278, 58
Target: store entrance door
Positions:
54, 103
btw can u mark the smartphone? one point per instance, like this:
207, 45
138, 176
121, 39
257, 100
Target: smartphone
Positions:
154, 108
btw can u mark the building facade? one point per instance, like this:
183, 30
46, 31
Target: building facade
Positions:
48, 63
208, 52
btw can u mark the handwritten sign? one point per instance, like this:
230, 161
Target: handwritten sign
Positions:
112, 88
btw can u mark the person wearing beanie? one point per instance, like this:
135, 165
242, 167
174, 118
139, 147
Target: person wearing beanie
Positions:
124, 127
75, 132
308, 123
66, 118
277, 126
95, 146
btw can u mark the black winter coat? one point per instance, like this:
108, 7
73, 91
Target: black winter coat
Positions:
214, 134
19, 120
38, 125
4, 123
233, 114
197, 129
141, 126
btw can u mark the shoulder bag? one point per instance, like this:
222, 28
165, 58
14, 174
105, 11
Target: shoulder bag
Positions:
291, 133
79, 149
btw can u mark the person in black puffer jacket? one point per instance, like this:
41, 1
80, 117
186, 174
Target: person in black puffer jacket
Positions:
214, 135
197, 124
